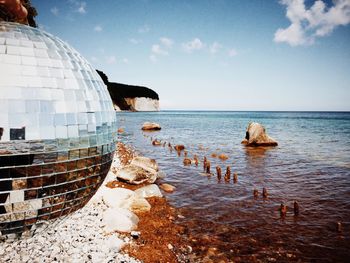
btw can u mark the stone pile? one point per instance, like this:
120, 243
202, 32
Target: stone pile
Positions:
82, 237
97, 232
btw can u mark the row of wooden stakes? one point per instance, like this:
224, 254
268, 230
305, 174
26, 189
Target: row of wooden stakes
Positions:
227, 177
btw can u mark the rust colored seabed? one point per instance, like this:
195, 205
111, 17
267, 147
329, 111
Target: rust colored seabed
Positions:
161, 238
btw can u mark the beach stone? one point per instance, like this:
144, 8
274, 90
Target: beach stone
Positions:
167, 188
149, 191
179, 147
133, 174
150, 126
114, 243
223, 157
139, 204
119, 219
145, 163
256, 136
118, 197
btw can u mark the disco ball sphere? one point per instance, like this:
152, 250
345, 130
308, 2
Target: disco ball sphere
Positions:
57, 130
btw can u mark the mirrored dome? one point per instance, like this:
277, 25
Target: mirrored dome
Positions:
57, 129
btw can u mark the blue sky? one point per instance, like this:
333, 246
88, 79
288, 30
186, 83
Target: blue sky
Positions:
215, 55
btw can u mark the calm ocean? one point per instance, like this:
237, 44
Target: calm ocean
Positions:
311, 165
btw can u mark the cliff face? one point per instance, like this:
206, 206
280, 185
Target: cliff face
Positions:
131, 98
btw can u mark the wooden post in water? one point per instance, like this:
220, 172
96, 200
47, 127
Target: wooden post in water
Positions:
228, 174
296, 208
265, 194
339, 227
208, 167
256, 193
235, 178
218, 172
178, 153
283, 210
195, 158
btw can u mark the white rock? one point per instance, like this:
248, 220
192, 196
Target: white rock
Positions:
118, 197
146, 163
167, 188
119, 219
256, 136
140, 204
136, 175
114, 243
151, 190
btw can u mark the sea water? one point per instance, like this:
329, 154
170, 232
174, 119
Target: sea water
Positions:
311, 165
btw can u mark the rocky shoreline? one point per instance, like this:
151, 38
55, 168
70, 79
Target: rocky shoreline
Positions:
121, 223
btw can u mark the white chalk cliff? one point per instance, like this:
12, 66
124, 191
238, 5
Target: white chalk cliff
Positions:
143, 104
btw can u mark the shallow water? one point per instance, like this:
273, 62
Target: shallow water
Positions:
225, 222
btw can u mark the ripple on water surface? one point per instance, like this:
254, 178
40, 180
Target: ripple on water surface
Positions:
224, 220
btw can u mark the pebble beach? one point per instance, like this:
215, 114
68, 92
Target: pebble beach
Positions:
105, 229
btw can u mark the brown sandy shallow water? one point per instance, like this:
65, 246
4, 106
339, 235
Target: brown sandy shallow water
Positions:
222, 220
161, 238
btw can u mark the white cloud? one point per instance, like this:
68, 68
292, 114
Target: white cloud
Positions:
54, 11
111, 60
157, 50
135, 41
167, 42
125, 60
144, 29
232, 52
153, 58
309, 24
195, 44
215, 47
98, 28
82, 8
78, 6
161, 49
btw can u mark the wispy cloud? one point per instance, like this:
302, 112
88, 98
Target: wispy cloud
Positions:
156, 49
161, 49
310, 24
167, 42
144, 29
195, 44
82, 8
214, 48
111, 59
98, 28
78, 6
135, 41
232, 52
54, 11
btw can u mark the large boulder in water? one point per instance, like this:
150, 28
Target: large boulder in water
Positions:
150, 126
256, 136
